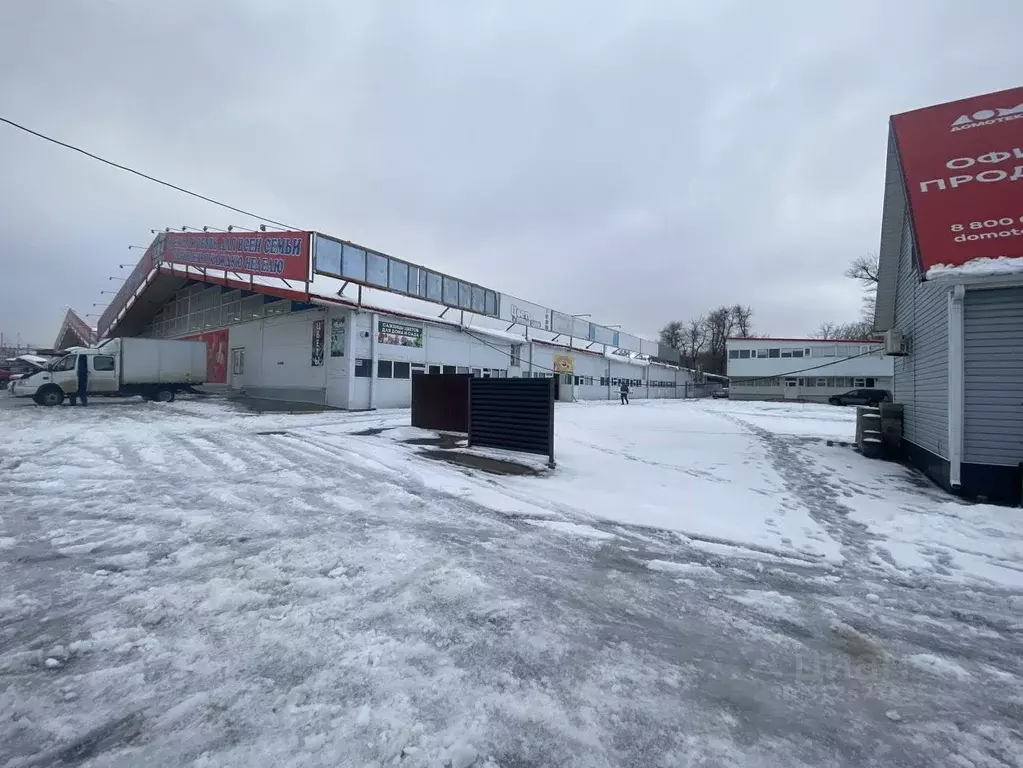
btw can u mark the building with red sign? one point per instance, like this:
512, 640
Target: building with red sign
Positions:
289, 316
950, 290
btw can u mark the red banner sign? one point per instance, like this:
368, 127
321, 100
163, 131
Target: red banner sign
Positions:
283, 255
216, 354
963, 167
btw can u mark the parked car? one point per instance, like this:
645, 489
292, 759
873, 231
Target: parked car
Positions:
871, 397
720, 393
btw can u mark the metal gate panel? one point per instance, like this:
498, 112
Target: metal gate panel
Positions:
441, 401
512, 414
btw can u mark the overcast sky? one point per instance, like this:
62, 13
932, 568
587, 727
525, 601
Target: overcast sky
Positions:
640, 161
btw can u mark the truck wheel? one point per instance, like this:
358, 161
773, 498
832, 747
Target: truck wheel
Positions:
50, 396
165, 396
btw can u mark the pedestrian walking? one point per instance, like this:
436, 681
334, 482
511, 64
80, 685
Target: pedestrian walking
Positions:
624, 392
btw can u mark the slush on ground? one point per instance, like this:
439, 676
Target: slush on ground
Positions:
697, 583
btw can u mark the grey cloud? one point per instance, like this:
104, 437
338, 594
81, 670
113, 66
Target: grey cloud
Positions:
640, 161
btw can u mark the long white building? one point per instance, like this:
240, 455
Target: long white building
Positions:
805, 369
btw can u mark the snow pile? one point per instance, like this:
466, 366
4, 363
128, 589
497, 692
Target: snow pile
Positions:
983, 267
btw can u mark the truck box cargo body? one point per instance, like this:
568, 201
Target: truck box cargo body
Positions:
156, 369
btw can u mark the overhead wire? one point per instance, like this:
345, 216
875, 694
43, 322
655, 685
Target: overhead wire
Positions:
146, 176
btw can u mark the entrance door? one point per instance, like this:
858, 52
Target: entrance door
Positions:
557, 386
791, 389
237, 375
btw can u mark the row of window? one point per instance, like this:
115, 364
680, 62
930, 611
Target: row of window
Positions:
829, 350
837, 382
397, 369
199, 308
351, 262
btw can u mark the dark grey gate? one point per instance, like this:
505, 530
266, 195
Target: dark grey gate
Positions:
441, 402
513, 414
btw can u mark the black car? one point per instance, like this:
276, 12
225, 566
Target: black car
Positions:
870, 397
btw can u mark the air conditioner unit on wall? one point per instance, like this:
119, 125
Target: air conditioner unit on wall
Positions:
894, 343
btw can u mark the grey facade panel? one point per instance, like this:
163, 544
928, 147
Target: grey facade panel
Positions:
921, 377
993, 412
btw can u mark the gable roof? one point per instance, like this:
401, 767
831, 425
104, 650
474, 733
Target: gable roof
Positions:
893, 221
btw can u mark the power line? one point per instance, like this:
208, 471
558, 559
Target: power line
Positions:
146, 176
836, 361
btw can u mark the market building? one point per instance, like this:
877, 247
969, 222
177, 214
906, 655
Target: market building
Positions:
807, 370
950, 291
74, 332
302, 317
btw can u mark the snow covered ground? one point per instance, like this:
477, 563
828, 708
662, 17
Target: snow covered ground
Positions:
696, 583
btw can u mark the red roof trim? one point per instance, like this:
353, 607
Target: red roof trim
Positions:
811, 341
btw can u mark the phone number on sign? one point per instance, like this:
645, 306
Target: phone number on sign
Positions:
989, 229
1007, 221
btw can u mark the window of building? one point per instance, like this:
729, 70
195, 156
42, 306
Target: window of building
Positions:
868, 381
761, 353
797, 352
238, 361
363, 368
477, 373
733, 354
103, 363
384, 369
516, 356
744, 354
786, 353
449, 369
401, 370
418, 368
462, 369
773, 352
822, 382
858, 382
434, 369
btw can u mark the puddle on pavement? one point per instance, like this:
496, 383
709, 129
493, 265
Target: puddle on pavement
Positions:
483, 463
443, 441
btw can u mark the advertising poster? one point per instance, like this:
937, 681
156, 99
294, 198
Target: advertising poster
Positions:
317, 357
337, 336
283, 255
216, 355
962, 164
564, 364
525, 313
400, 335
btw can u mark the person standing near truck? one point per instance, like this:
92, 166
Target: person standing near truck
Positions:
624, 392
83, 381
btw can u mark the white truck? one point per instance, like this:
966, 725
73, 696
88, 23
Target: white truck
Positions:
156, 369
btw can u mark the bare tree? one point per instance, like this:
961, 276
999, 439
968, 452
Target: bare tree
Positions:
694, 340
864, 268
672, 335
742, 318
827, 331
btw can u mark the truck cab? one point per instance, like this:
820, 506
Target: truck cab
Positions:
51, 385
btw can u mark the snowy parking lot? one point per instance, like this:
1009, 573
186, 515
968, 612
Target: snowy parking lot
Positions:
697, 583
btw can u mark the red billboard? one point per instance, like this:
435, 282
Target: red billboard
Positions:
216, 354
962, 163
283, 255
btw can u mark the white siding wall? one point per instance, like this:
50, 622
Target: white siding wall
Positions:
278, 357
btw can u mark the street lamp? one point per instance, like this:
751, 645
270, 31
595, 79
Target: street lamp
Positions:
116, 278
112, 293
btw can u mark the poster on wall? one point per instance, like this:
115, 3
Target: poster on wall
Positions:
318, 326
564, 364
400, 335
337, 337
216, 355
